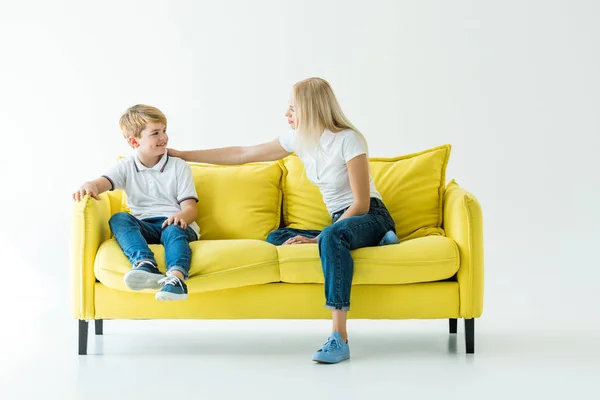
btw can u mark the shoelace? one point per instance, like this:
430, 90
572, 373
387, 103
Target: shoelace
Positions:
170, 280
331, 344
142, 263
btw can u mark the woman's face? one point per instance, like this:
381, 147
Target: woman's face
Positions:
291, 115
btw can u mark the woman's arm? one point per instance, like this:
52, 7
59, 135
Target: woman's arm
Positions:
270, 151
358, 173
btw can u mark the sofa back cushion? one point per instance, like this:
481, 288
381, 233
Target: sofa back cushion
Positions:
412, 187
236, 202
303, 206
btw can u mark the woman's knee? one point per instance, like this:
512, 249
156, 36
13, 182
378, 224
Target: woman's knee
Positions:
332, 232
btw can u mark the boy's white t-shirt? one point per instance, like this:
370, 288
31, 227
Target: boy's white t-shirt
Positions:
156, 191
326, 167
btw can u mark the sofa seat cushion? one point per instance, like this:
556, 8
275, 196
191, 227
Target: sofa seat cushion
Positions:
426, 259
216, 264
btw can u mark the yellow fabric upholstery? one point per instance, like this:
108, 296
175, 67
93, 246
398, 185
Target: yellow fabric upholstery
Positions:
463, 224
238, 202
436, 272
284, 301
303, 206
89, 228
412, 188
216, 264
426, 259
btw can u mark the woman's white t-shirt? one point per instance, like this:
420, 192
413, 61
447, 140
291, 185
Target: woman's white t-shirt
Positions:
326, 167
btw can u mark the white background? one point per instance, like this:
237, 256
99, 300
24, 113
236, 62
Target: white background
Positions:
512, 85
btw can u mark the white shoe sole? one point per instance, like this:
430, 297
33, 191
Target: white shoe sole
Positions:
331, 360
140, 280
170, 296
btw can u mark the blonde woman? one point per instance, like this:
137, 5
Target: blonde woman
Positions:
334, 154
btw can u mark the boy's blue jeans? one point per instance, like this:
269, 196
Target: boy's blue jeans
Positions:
134, 236
335, 243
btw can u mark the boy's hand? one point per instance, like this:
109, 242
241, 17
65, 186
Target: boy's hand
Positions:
174, 153
85, 189
174, 219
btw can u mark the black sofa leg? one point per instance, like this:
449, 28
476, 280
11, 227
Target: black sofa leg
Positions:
83, 337
470, 335
98, 327
453, 323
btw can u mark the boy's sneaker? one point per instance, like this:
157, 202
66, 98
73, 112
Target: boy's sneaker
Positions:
173, 288
389, 238
333, 351
143, 276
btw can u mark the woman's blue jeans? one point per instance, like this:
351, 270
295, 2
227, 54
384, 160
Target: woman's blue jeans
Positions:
335, 243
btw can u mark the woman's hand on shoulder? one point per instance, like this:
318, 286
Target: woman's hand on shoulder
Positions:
174, 153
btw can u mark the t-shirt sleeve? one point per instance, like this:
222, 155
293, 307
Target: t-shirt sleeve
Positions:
186, 190
353, 146
286, 140
117, 175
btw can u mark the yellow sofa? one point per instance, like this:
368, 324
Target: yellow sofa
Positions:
435, 272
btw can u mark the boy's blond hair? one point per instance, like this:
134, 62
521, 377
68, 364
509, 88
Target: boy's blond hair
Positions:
135, 119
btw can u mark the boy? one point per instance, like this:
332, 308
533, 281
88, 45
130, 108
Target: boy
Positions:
162, 198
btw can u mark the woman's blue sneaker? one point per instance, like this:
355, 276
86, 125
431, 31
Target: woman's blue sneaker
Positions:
389, 238
173, 288
333, 351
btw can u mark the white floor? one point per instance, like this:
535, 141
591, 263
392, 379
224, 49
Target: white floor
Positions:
271, 360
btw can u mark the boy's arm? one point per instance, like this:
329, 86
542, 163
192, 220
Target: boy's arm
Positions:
186, 216
186, 197
93, 188
114, 179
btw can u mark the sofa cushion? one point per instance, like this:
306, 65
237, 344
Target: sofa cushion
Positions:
216, 264
236, 202
412, 187
303, 206
425, 259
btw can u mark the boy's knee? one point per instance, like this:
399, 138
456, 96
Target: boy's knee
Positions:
173, 230
120, 217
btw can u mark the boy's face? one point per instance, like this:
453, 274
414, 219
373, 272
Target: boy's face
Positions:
153, 140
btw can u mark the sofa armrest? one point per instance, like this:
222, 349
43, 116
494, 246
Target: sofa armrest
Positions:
463, 223
89, 229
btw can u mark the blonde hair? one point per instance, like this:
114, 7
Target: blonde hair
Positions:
137, 117
317, 109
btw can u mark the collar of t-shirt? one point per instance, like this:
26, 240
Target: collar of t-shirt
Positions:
160, 165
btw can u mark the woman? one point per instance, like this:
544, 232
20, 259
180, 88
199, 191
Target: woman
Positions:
335, 157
